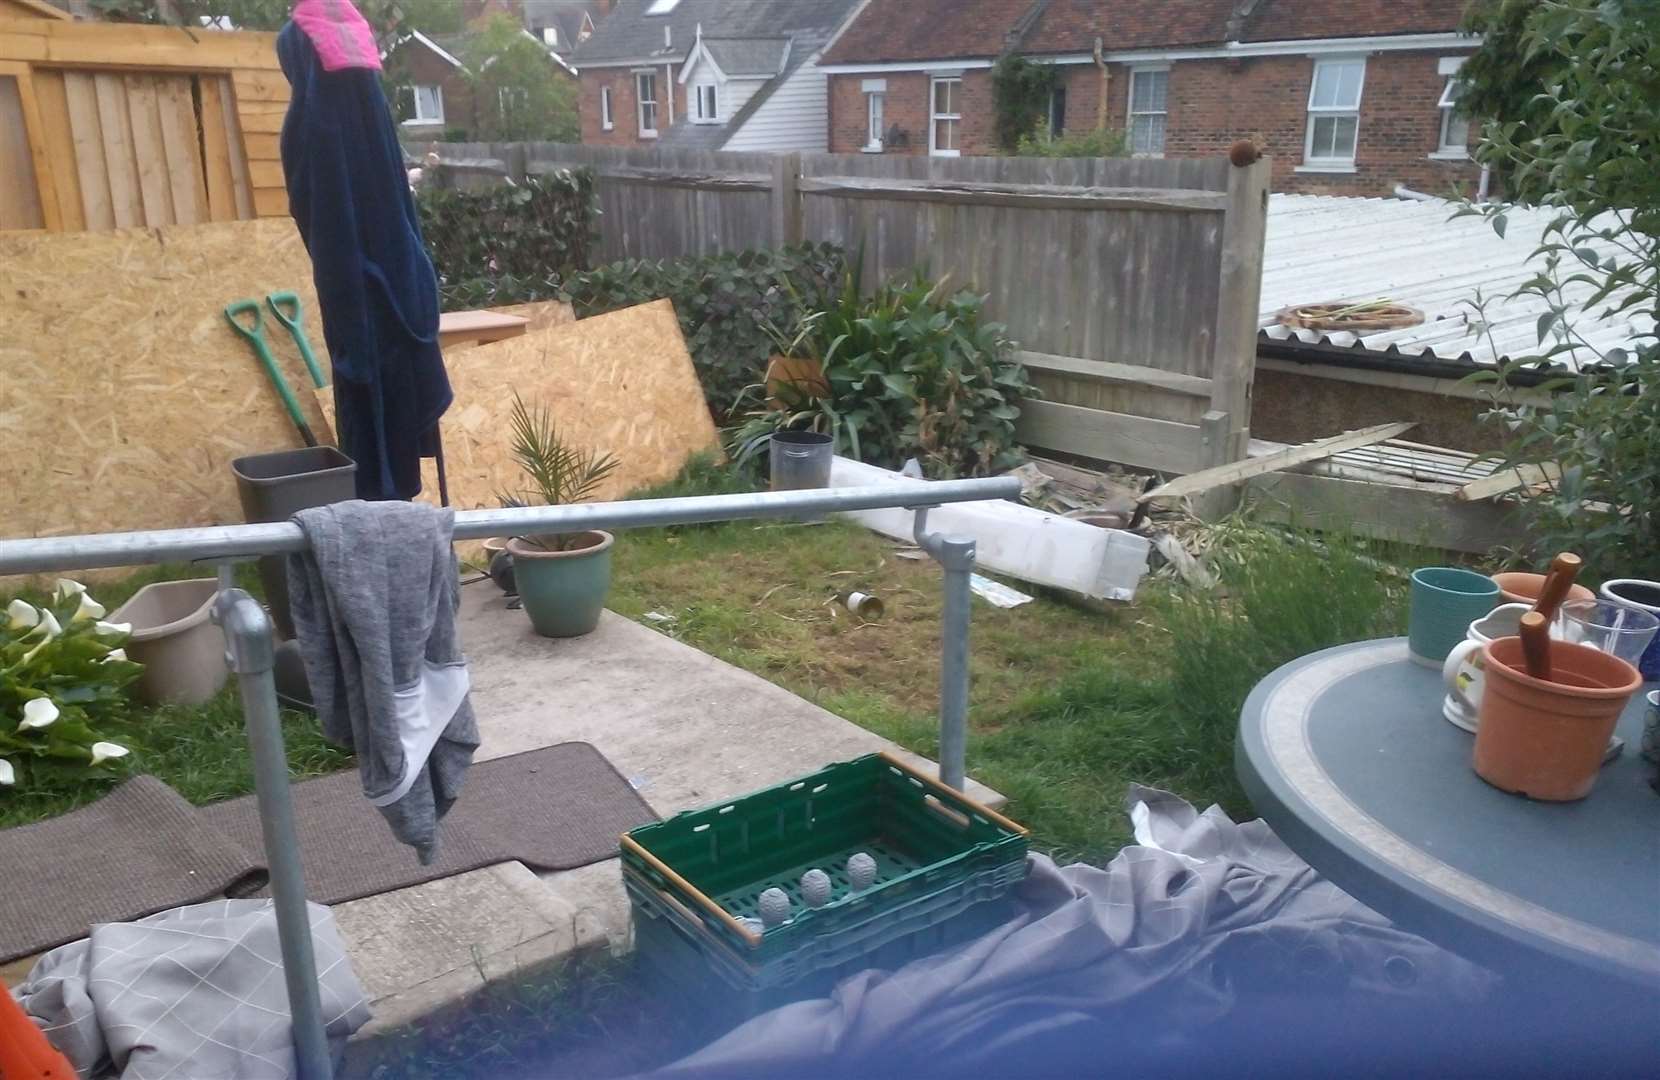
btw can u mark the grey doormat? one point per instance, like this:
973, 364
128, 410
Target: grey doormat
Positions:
552, 809
143, 849
138, 850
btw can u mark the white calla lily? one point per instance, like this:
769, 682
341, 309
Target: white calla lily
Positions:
89, 609
114, 655
104, 751
8, 775
113, 629
38, 713
46, 631
21, 615
67, 588
49, 623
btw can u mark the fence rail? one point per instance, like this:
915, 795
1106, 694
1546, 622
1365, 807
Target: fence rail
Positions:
1132, 284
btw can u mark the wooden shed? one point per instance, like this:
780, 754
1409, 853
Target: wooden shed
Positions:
107, 125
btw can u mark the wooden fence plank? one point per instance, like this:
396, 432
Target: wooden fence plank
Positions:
20, 204
87, 138
1109, 371
246, 204
1017, 195
181, 142
1130, 440
53, 103
1235, 471
115, 128
219, 181
149, 151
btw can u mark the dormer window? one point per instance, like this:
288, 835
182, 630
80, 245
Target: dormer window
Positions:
661, 7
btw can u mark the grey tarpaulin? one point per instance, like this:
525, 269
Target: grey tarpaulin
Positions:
1205, 933
192, 992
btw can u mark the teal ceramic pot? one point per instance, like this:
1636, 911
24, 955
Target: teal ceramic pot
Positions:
1445, 601
563, 591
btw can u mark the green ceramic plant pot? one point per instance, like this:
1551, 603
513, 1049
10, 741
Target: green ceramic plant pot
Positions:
563, 591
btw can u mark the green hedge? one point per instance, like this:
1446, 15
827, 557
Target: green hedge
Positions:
724, 303
510, 244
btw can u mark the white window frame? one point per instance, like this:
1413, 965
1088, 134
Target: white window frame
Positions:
1055, 130
415, 104
698, 116
935, 116
1332, 163
1130, 112
606, 121
640, 104
1458, 149
876, 110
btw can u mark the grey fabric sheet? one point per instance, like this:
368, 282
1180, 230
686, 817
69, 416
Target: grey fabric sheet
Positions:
196, 992
1089, 971
373, 600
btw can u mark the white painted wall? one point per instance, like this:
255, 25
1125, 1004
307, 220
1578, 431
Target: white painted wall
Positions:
795, 117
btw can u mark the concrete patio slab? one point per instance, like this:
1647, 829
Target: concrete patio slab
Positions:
685, 728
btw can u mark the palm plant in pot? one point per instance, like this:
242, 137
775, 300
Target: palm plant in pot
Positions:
562, 578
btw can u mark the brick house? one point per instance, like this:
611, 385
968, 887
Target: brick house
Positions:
432, 95
1349, 97
709, 74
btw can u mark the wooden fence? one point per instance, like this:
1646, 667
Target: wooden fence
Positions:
1131, 284
107, 126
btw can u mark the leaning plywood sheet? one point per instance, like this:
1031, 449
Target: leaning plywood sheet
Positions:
1032, 545
123, 393
621, 383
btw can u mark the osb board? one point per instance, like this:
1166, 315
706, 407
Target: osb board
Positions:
621, 383
542, 314
125, 395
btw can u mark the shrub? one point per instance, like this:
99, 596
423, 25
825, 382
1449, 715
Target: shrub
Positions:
512, 243
1583, 144
725, 303
913, 372
1083, 144
62, 672
1020, 94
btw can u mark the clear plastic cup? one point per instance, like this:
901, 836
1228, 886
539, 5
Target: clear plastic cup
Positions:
1615, 629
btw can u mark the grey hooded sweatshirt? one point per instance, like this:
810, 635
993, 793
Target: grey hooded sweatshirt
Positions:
374, 601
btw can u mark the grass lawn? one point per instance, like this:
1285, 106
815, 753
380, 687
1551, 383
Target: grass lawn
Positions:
1065, 702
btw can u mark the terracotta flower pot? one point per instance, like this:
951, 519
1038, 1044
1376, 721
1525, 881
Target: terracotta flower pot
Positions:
1546, 740
1521, 588
793, 380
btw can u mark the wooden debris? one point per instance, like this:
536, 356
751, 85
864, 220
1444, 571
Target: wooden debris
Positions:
1234, 472
1503, 481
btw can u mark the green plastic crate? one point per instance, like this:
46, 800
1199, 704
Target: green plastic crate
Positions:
937, 853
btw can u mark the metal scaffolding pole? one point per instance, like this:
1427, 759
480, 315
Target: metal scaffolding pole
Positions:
250, 646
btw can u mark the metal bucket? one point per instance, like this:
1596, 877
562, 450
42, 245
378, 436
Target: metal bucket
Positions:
800, 459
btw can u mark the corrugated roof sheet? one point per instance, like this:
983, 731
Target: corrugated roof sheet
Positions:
1334, 248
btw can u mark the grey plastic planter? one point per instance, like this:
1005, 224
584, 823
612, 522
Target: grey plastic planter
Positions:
274, 487
183, 653
563, 591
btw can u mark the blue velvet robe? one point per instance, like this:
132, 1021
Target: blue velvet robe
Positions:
349, 194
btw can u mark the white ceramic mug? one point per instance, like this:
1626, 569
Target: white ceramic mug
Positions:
1465, 670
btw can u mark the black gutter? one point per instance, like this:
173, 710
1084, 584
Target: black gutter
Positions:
1357, 357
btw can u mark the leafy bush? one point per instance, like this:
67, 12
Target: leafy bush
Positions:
518, 91
1584, 145
1020, 93
1082, 144
62, 672
913, 372
725, 303
512, 243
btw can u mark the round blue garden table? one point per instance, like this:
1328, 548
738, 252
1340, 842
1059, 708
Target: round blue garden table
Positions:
1346, 755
